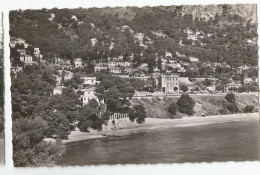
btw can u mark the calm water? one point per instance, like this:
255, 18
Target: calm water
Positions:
233, 141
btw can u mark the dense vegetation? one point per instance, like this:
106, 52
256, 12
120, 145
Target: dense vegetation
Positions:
173, 108
37, 114
94, 35
69, 34
231, 105
186, 104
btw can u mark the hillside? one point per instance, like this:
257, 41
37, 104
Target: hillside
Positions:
208, 105
226, 32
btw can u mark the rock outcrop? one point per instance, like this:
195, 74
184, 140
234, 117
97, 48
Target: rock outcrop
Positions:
247, 11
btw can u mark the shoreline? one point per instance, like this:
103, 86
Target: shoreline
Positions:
157, 123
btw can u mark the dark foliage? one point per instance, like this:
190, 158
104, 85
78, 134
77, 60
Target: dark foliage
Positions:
249, 109
137, 112
232, 107
230, 97
186, 104
173, 108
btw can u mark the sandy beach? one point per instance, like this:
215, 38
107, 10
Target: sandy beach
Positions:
156, 123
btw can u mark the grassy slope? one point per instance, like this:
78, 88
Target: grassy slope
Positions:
209, 105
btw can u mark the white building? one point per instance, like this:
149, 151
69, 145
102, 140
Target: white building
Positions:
27, 59
58, 90
170, 84
88, 95
248, 80
91, 81
100, 66
211, 87
115, 70
37, 53
78, 62
113, 64
68, 75
233, 85
168, 54
193, 59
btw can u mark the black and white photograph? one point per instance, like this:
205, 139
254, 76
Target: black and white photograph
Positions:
134, 85
2, 147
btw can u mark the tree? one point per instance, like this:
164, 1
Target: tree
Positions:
184, 88
140, 113
207, 82
132, 115
29, 149
87, 117
137, 112
173, 108
186, 104
93, 103
230, 97
249, 109
219, 88
232, 107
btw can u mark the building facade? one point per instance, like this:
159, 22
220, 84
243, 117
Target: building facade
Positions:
88, 95
78, 62
89, 81
170, 84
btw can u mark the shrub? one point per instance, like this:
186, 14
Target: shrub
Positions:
230, 97
93, 103
249, 109
184, 88
173, 108
138, 113
219, 88
29, 149
132, 114
223, 111
232, 107
186, 104
84, 124
97, 122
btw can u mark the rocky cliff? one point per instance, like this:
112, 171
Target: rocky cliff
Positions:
247, 11
205, 105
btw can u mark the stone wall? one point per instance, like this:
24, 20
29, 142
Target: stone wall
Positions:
117, 121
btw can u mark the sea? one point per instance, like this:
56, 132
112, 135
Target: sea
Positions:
218, 142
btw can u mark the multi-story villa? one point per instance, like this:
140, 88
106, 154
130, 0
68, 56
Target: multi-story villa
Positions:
170, 84
88, 95
100, 66
27, 59
89, 81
